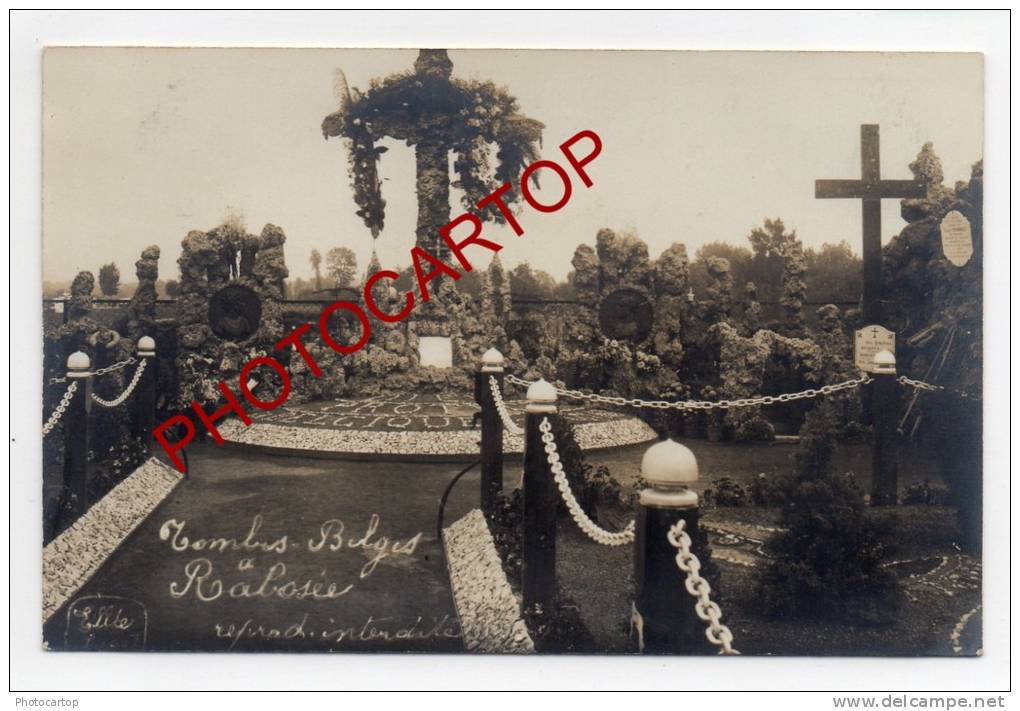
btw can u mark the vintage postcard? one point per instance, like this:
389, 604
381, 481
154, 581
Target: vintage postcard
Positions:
512, 351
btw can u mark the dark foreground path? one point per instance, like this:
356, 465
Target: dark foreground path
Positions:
256, 552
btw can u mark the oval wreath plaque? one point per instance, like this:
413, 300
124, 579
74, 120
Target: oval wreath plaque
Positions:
235, 312
626, 315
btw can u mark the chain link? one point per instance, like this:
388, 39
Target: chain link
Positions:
504, 414
61, 408
592, 529
708, 611
115, 366
919, 384
704, 404
101, 371
127, 391
928, 387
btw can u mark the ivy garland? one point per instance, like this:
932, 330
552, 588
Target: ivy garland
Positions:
467, 116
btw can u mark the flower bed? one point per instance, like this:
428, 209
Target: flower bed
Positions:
409, 427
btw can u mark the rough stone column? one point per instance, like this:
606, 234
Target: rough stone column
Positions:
432, 180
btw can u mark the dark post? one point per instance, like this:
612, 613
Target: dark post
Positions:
885, 408
76, 439
871, 227
663, 619
541, 499
145, 397
492, 428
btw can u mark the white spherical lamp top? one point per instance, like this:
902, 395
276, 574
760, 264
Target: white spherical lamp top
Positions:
146, 343
78, 361
885, 362
541, 392
492, 358
669, 464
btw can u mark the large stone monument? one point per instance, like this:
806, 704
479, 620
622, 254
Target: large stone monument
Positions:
437, 114
231, 286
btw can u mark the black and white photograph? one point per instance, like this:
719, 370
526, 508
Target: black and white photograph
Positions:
511, 352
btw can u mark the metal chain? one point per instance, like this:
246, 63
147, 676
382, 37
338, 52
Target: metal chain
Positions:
115, 366
61, 408
101, 371
127, 391
709, 612
921, 385
592, 529
504, 414
704, 404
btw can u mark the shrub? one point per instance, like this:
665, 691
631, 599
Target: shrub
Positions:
828, 563
589, 485
506, 524
770, 492
728, 492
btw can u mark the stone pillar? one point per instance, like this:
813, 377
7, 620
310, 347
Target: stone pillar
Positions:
664, 619
145, 397
491, 367
74, 499
885, 408
541, 500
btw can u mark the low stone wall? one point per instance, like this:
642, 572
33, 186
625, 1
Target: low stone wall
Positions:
490, 613
73, 557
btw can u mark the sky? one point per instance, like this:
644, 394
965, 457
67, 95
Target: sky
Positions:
142, 145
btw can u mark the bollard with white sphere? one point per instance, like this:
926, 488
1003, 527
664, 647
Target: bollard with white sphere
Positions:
541, 503
144, 399
664, 620
74, 498
490, 368
885, 408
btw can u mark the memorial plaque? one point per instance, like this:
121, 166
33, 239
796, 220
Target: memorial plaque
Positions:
435, 351
626, 315
867, 342
957, 241
235, 312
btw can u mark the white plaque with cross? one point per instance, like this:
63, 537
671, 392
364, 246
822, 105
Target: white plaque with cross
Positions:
870, 340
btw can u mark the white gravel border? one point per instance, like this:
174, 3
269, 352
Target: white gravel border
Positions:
490, 613
73, 557
590, 435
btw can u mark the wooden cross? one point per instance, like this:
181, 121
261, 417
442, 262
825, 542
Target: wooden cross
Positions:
871, 189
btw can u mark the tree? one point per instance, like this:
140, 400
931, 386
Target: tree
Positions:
341, 266
173, 288
109, 279
532, 283
739, 259
770, 246
316, 261
833, 274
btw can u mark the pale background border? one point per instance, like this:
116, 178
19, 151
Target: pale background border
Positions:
895, 31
